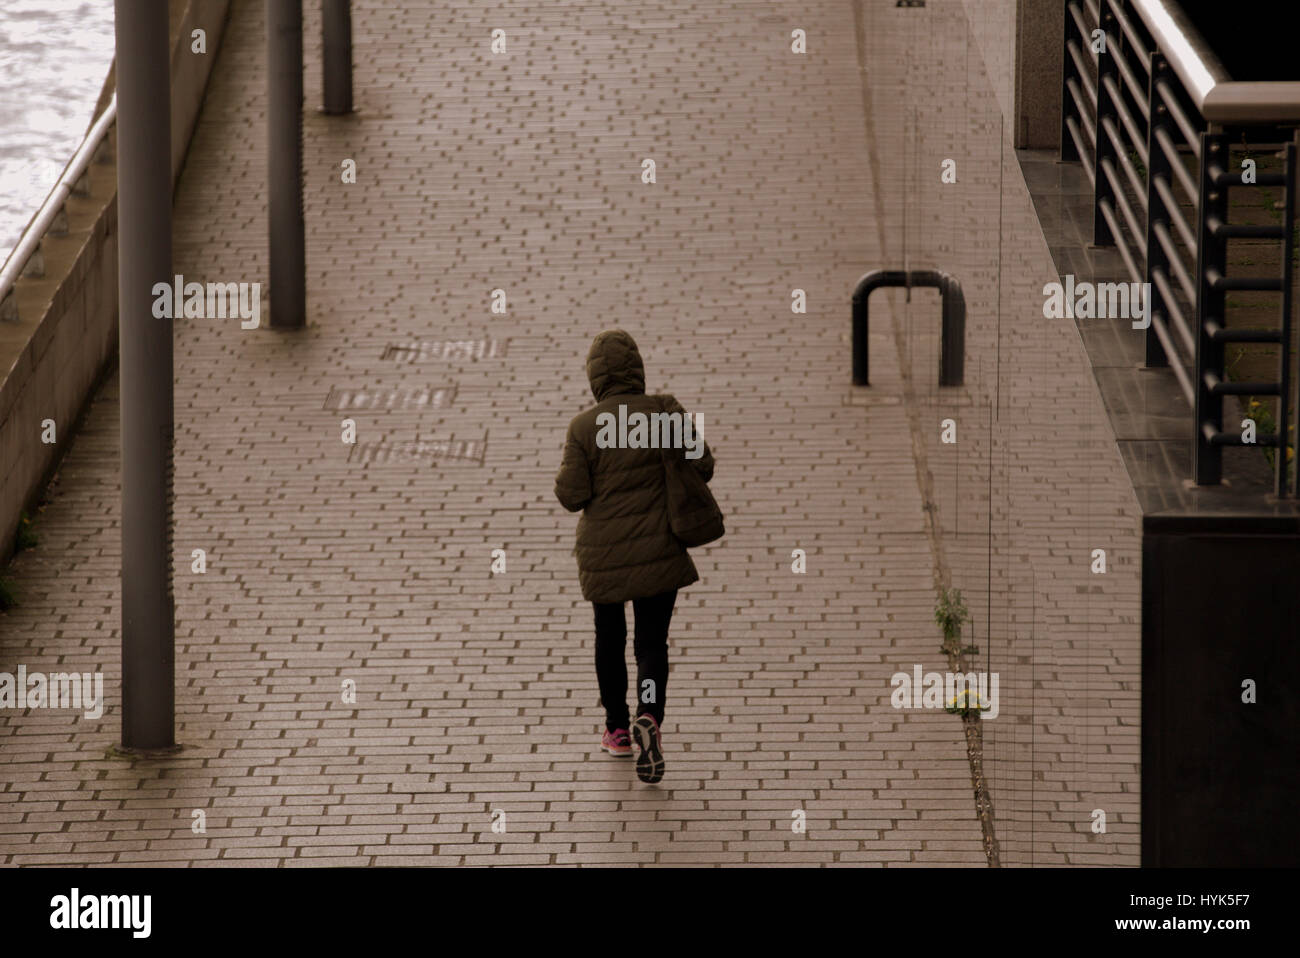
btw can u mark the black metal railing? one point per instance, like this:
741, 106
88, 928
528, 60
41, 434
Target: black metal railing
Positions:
1150, 113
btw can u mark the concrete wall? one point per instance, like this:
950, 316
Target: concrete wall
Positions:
1020, 43
993, 28
66, 334
1040, 26
1219, 769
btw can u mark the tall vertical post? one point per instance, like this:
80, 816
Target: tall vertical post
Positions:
336, 47
1281, 483
284, 166
1158, 170
144, 249
1211, 304
1104, 191
1069, 152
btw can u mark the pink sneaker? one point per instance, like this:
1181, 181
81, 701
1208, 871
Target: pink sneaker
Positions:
617, 742
650, 758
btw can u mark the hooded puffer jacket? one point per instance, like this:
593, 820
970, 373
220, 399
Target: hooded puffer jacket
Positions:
626, 549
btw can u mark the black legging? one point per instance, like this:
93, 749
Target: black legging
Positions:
650, 643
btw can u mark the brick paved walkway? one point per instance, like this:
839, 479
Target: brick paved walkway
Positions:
476, 692
1065, 641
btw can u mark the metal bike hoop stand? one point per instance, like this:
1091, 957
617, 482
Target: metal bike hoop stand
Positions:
952, 347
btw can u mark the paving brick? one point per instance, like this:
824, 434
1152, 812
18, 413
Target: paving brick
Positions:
477, 692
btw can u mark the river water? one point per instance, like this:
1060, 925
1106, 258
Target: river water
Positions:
54, 56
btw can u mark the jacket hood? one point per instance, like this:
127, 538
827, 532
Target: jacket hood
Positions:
614, 365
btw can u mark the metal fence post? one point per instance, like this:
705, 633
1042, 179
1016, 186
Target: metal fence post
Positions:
1282, 485
1101, 235
1157, 167
1069, 152
1211, 262
144, 249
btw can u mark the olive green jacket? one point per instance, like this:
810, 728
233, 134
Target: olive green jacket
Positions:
626, 549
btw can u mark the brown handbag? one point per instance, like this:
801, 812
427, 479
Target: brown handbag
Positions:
693, 513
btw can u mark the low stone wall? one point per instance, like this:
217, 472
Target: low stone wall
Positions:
66, 333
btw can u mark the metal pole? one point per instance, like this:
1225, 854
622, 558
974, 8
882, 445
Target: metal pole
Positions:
1211, 303
1158, 171
1281, 482
952, 338
284, 169
860, 346
1069, 152
1104, 190
144, 249
336, 44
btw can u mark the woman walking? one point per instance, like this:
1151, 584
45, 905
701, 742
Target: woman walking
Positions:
626, 548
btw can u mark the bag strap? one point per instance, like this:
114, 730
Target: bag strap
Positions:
666, 452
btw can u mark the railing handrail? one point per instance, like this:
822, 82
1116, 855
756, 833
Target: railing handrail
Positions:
1188, 100
30, 241
1218, 97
